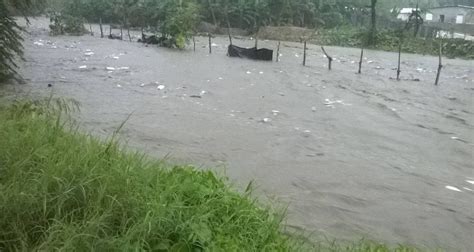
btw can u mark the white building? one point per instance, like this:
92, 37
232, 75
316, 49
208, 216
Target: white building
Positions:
405, 13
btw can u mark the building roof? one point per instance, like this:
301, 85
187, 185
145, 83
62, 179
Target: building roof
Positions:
407, 10
453, 6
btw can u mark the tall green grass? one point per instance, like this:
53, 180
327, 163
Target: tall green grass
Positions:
64, 190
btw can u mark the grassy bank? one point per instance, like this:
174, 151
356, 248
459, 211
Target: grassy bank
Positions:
389, 41
63, 190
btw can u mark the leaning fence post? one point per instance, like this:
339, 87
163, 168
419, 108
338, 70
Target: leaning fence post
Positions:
278, 52
121, 32
90, 28
327, 56
304, 54
210, 43
440, 65
194, 43
361, 58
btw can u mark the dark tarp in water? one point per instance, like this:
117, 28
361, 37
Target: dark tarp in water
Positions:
250, 53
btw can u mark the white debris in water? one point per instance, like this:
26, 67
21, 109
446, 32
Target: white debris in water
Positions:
420, 70
142, 85
160, 87
266, 120
307, 131
470, 182
83, 67
296, 55
353, 62
248, 72
119, 86
260, 72
455, 138
220, 78
110, 68
124, 68
330, 103
203, 92
89, 53
275, 112
214, 45
39, 43
452, 188
115, 57
370, 61
467, 189
231, 115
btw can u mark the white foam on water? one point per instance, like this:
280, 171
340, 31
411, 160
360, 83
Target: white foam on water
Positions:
452, 188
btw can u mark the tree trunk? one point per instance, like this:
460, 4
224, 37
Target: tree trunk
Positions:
212, 12
373, 26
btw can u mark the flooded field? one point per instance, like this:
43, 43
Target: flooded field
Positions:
352, 155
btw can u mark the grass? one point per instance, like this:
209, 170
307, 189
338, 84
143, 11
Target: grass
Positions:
64, 190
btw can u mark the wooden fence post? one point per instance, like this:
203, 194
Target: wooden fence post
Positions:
210, 43
304, 54
329, 58
440, 65
399, 59
278, 52
101, 30
361, 58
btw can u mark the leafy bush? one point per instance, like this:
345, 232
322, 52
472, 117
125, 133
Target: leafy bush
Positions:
179, 21
66, 24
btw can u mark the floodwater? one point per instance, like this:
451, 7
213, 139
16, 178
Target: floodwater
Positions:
351, 155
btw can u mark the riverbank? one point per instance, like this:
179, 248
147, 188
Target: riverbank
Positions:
65, 190
62, 189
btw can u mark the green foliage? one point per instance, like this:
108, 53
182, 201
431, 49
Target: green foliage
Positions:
10, 38
178, 21
66, 24
62, 190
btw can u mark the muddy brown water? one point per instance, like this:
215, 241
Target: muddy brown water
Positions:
351, 155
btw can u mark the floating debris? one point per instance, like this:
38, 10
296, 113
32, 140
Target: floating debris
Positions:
39, 43
275, 112
260, 72
110, 68
452, 188
330, 103
203, 92
160, 87
142, 85
470, 182
119, 86
248, 72
124, 68
220, 78
266, 120
467, 189
83, 67
89, 53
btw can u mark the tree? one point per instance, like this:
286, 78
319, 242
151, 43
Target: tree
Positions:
10, 38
